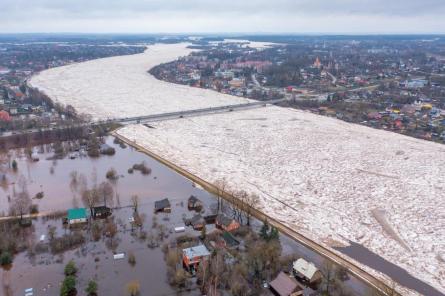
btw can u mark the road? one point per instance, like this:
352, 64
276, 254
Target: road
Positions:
149, 118
354, 269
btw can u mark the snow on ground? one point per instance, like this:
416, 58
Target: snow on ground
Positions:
121, 87
333, 175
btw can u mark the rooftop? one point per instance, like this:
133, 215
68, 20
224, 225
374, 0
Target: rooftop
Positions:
74, 214
197, 251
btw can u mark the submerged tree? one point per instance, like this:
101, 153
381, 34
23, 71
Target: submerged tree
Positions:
135, 202
133, 288
90, 198
106, 193
21, 203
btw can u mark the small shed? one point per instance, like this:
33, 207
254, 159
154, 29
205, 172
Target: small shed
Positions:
285, 285
194, 203
225, 223
77, 216
306, 271
197, 222
163, 205
101, 212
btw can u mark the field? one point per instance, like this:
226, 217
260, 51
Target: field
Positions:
328, 179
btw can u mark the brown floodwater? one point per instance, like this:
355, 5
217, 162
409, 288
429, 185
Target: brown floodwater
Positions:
44, 272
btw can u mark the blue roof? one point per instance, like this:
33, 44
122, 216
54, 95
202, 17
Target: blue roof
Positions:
74, 214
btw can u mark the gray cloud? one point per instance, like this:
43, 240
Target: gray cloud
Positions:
223, 15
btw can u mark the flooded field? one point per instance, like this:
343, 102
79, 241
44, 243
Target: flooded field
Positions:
43, 270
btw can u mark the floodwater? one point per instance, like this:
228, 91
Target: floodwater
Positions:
44, 272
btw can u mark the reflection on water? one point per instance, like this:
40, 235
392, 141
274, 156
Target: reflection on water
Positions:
45, 272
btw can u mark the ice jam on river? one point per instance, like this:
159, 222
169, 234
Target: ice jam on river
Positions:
121, 86
332, 181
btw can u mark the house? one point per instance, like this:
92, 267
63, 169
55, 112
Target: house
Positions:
306, 271
192, 257
77, 216
285, 285
225, 223
197, 222
163, 206
194, 203
101, 212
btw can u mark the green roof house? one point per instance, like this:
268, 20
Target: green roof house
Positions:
76, 216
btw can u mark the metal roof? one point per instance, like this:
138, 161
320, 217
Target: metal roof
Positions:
197, 251
74, 214
162, 204
304, 267
284, 285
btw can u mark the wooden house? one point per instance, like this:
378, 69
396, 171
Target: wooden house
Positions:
163, 205
307, 272
225, 223
285, 285
192, 257
194, 204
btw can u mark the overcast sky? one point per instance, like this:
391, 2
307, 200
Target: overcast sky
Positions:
207, 16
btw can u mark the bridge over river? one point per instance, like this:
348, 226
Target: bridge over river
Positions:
150, 118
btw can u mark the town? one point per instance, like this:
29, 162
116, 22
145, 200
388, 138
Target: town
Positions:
98, 211
24, 108
397, 86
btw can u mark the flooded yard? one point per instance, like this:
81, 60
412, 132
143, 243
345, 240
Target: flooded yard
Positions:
38, 268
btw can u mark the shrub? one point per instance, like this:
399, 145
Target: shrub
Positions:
14, 165
111, 174
5, 258
96, 230
66, 242
133, 288
131, 259
143, 168
91, 289
68, 286
39, 195
70, 268
108, 151
94, 152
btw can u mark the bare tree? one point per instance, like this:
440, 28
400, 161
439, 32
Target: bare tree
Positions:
221, 190
74, 181
329, 277
90, 198
135, 202
251, 200
106, 193
111, 230
21, 204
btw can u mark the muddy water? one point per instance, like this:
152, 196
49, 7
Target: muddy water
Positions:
44, 272
56, 186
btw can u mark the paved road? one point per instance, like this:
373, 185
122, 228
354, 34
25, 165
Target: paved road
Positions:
150, 118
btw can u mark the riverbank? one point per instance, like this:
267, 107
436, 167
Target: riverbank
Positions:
338, 259
284, 147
